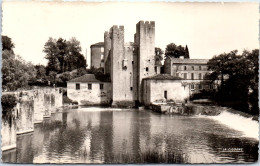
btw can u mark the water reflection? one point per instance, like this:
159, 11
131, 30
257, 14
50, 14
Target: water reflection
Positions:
130, 136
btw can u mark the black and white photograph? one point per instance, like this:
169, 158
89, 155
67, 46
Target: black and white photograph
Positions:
87, 82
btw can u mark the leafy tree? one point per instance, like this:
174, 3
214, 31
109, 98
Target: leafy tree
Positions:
50, 49
63, 55
158, 55
238, 74
41, 71
7, 43
220, 65
16, 73
172, 50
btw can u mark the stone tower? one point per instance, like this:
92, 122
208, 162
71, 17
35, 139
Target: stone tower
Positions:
107, 49
120, 71
145, 41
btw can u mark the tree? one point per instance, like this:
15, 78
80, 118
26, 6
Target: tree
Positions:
7, 43
220, 65
16, 72
63, 55
158, 55
51, 51
238, 74
99, 74
187, 54
172, 50
41, 71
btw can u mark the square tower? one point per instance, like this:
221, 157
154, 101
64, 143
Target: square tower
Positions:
145, 40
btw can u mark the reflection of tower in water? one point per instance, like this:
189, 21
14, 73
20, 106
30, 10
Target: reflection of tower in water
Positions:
141, 132
101, 146
64, 118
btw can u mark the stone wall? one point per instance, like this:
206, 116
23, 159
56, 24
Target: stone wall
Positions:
8, 135
46, 101
94, 96
96, 53
25, 113
154, 91
32, 106
107, 49
168, 66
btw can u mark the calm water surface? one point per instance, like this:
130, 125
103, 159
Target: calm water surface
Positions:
98, 135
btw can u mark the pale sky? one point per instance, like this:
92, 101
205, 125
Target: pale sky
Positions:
207, 28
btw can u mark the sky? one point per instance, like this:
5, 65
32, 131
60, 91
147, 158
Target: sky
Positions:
207, 28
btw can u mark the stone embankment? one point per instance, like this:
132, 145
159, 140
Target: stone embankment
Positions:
32, 107
185, 109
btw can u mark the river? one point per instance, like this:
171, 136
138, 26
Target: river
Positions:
106, 135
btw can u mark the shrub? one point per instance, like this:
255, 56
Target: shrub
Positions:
66, 100
8, 103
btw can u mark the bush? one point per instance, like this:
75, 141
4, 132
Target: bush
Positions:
66, 100
99, 74
8, 103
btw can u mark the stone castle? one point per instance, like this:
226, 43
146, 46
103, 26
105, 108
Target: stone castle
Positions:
135, 78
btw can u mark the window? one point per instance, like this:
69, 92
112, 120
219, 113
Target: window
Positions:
200, 86
77, 86
192, 67
147, 69
101, 86
192, 86
131, 88
124, 64
177, 74
199, 76
185, 76
184, 68
132, 62
155, 68
199, 67
165, 94
90, 86
192, 76
102, 57
102, 49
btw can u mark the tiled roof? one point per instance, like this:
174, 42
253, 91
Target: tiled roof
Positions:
85, 78
189, 61
163, 77
98, 44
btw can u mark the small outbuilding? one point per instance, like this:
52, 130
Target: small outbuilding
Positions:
87, 90
163, 87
